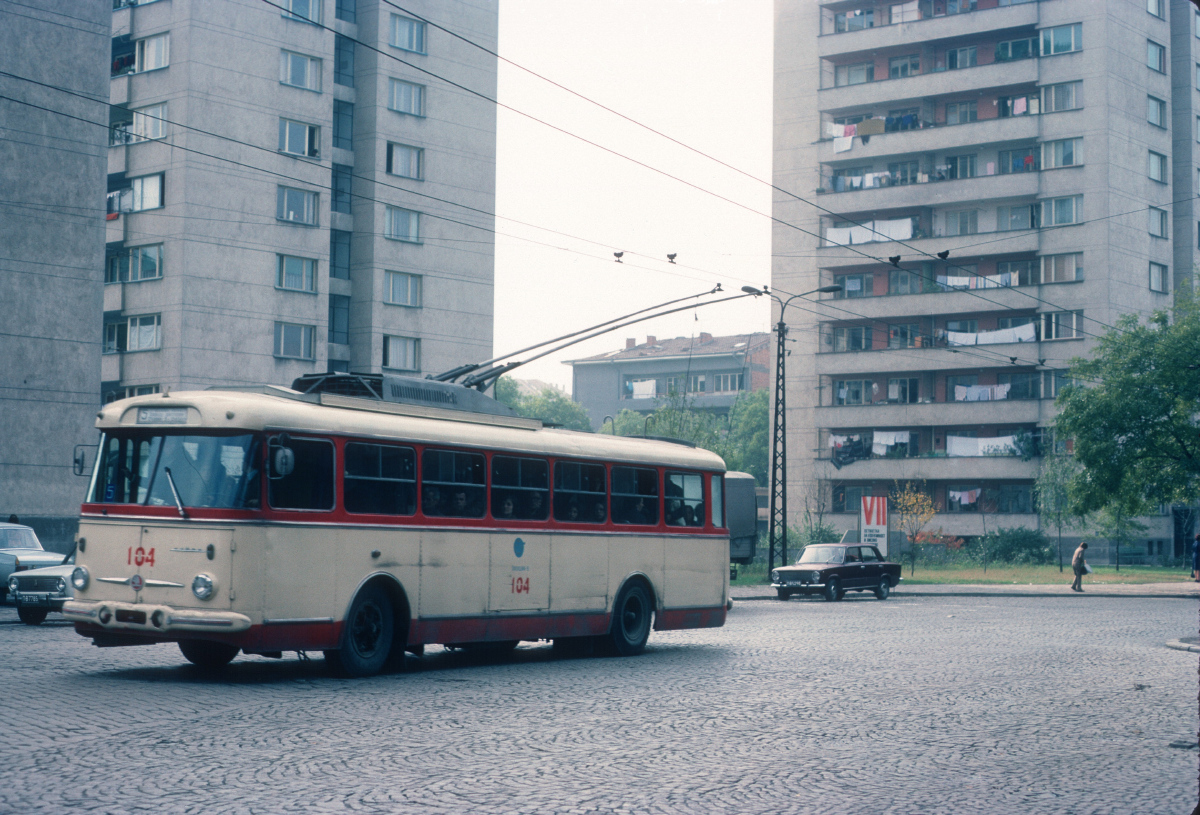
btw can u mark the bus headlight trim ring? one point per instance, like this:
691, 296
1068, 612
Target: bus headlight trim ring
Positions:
203, 587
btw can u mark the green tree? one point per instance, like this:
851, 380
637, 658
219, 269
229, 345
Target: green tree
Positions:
550, 405
746, 443
914, 508
1135, 416
1117, 523
1052, 493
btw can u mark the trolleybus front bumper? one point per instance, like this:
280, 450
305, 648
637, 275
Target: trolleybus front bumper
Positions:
147, 618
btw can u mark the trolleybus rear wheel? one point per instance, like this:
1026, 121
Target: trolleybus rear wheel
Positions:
631, 620
206, 655
366, 636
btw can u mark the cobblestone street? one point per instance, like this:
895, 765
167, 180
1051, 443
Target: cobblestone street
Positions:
916, 705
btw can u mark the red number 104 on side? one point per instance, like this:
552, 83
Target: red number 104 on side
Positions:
520, 585
139, 557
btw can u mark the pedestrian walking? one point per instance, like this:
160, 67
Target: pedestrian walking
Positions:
1079, 566
1196, 558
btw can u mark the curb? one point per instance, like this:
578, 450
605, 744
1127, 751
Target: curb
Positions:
1180, 645
1156, 595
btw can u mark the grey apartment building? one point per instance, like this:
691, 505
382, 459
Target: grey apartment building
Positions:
296, 188
993, 183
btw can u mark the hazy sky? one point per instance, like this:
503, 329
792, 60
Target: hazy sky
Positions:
696, 70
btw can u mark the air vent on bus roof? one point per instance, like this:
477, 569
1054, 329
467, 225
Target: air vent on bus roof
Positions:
406, 390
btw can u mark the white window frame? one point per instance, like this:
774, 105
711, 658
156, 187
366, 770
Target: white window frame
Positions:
1157, 222
1050, 94
295, 337
1052, 210
402, 225
862, 72
1156, 107
147, 328
1156, 53
1157, 167
145, 192
407, 34
412, 155
309, 136
286, 269
954, 222
1158, 277
1062, 325
1066, 268
1049, 35
409, 94
132, 257
312, 70
308, 211
149, 123
1055, 153
402, 289
153, 53
1155, 7
313, 7
969, 53
959, 109
401, 353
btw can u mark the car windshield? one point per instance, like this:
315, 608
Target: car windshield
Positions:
208, 471
822, 554
18, 539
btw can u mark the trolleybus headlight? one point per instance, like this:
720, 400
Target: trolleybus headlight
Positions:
80, 577
12, 585
60, 586
104, 615
202, 586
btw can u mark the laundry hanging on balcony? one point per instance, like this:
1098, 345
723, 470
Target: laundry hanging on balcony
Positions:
847, 449
967, 446
980, 393
1002, 280
843, 143
964, 496
883, 440
1022, 333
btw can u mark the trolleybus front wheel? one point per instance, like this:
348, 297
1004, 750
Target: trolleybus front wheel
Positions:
366, 636
206, 655
631, 620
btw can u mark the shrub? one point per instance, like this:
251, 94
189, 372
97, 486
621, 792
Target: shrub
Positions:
1017, 545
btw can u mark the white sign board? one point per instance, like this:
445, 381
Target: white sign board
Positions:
873, 522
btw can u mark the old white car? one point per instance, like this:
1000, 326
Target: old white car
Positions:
21, 550
37, 592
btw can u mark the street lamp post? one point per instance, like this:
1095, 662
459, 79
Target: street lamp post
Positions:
777, 535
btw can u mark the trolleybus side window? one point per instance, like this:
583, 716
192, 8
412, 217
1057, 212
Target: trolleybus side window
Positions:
452, 484
520, 488
717, 497
310, 483
685, 499
579, 492
635, 495
380, 479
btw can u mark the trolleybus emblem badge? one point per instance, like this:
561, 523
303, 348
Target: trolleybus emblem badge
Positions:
136, 582
518, 547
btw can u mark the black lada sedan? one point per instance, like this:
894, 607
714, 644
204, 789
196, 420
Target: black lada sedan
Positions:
832, 569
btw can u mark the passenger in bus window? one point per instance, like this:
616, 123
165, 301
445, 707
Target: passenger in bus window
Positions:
460, 508
674, 512
506, 508
431, 500
537, 507
689, 516
573, 511
698, 514
599, 515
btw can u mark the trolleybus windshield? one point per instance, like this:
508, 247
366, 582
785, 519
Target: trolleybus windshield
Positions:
208, 470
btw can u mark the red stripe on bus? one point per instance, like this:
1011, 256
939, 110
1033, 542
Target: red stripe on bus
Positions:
675, 618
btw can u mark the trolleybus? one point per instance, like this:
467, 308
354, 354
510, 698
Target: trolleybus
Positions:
269, 520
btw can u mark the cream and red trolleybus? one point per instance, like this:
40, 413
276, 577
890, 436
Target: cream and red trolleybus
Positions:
407, 513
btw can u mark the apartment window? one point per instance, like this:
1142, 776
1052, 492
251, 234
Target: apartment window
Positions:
853, 338
1065, 96
1197, 23
148, 123
402, 289
1056, 381
1198, 75
850, 391
303, 9
849, 499
1158, 167
343, 60
1021, 160
959, 6
961, 58
405, 161
1062, 325
1155, 7
904, 172
408, 34
346, 10
1156, 56
1158, 277
902, 281
1018, 217
1014, 498
962, 222
149, 54
114, 337
1022, 385
1158, 222
1062, 153
963, 327
402, 353
406, 97
299, 139
1156, 111
1026, 105
1062, 211
728, 383
339, 254
963, 497
296, 274
697, 383
855, 20
905, 390
961, 166
134, 264
855, 286
1010, 50
904, 66
854, 74
403, 225
339, 319
958, 113
342, 182
343, 125
143, 333
903, 336
1062, 39
297, 206
1062, 268
1013, 322
294, 341
300, 71
145, 193
956, 380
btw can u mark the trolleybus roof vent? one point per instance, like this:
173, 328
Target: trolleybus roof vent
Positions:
405, 390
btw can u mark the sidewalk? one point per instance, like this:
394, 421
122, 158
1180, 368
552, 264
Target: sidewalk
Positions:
1180, 590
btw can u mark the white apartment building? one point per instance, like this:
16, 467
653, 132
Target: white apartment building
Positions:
993, 183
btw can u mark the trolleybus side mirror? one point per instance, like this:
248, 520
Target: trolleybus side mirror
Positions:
79, 460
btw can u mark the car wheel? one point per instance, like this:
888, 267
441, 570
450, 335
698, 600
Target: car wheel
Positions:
883, 589
367, 635
206, 655
631, 620
783, 594
32, 616
833, 590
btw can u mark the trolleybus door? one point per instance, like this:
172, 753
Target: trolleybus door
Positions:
520, 572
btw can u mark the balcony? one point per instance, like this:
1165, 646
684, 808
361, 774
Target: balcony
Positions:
891, 306
924, 30
895, 93
849, 363
934, 193
935, 139
928, 414
940, 468
1026, 240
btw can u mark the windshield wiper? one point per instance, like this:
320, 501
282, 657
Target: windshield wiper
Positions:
175, 492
